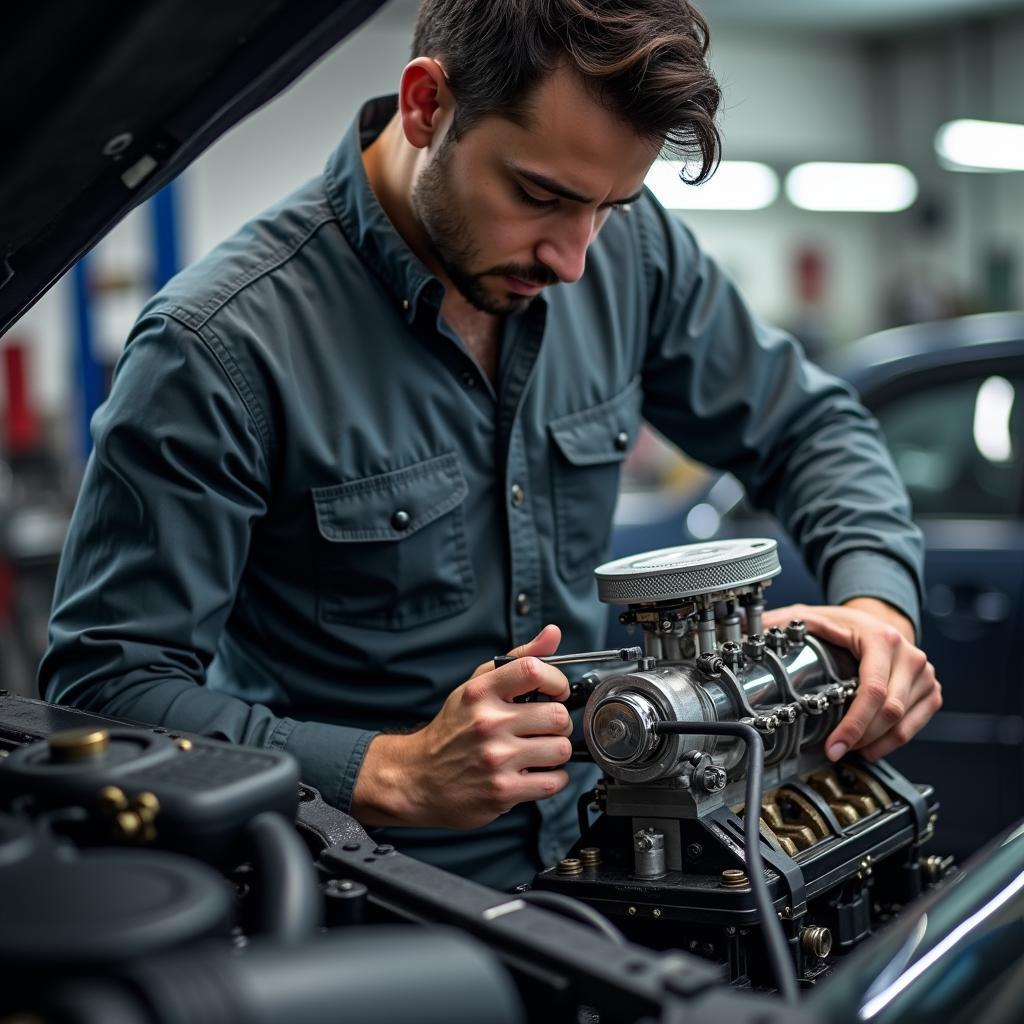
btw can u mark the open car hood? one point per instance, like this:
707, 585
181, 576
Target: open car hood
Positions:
102, 104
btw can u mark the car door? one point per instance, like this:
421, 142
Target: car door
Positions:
955, 433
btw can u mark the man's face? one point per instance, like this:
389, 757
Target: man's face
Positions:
509, 209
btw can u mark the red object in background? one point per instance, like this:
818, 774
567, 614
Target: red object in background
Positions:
810, 274
6, 590
21, 425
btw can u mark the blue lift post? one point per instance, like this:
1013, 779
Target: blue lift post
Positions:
163, 212
89, 371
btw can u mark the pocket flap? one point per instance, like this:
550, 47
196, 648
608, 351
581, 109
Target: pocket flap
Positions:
392, 505
602, 433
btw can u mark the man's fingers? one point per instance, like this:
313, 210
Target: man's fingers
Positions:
542, 752
524, 675
541, 785
518, 787
527, 673
873, 688
906, 668
913, 722
541, 719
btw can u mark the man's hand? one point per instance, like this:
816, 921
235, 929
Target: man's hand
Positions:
472, 761
898, 691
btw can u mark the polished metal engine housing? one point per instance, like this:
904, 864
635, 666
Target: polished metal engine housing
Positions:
708, 660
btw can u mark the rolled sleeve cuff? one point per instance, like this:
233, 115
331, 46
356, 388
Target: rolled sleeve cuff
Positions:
868, 574
329, 756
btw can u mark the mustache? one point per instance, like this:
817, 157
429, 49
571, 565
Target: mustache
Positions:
536, 274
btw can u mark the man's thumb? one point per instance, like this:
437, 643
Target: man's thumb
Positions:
544, 643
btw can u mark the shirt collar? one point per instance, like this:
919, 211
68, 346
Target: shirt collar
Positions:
364, 221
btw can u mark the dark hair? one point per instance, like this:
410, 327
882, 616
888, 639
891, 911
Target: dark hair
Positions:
644, 60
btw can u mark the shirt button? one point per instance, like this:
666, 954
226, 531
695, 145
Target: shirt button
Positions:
622, 440
522, 603
405, 305
517, 495
401, 519
467, 378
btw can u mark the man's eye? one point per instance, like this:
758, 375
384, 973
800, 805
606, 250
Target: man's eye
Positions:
525, 197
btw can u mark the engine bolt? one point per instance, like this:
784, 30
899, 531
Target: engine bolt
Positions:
710, 663
776, 640
732, 653
796, 631
631, 911
734, 878
129, 824
570, 866
590, 856
113, 799
753, 646
656, 912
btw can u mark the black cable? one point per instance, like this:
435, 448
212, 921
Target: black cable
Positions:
774, 936
286, 893
569, 907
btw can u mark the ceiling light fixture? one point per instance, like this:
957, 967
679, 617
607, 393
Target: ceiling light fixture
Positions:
968, 145
851, 187
736, 185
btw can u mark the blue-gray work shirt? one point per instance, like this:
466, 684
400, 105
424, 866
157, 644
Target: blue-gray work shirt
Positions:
298, 526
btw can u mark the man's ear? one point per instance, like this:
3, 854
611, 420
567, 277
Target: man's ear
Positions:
423, 101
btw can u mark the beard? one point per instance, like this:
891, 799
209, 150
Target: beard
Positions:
447, 230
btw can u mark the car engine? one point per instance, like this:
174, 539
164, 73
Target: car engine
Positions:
719, 716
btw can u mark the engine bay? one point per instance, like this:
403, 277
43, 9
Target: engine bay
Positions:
148, 875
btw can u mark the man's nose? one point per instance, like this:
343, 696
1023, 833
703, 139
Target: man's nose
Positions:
564, 252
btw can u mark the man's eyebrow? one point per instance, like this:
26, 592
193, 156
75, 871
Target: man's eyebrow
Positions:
558, 189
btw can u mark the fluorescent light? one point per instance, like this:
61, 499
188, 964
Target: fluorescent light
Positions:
859, 188
736, 185
703, 521
967, 145
992, 409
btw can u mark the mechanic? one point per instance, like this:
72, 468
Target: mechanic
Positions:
374, 439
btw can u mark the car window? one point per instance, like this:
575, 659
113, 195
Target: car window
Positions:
957, 445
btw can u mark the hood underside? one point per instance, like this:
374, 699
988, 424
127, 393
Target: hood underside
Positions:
103, 104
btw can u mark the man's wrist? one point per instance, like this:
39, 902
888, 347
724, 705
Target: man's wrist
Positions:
886, 612
382, 794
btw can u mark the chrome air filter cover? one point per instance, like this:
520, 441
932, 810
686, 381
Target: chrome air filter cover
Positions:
687, 571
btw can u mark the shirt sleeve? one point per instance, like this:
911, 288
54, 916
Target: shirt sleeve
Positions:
157, 544
739, 395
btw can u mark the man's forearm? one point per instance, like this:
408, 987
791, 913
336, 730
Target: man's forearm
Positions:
329, 756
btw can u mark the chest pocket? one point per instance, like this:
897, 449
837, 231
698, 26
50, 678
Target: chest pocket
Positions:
591, 446
391, 549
